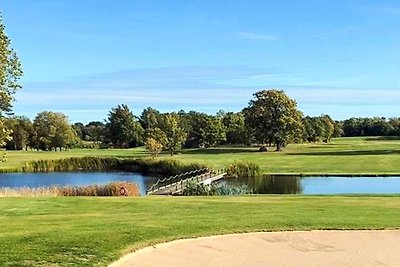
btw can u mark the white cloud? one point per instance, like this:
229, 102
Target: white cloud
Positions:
206, 89
344, 96
257, 36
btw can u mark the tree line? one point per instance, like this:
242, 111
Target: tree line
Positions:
271, 118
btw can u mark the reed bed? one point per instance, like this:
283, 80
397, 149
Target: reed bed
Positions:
144, 166
113, 189
29, 192
243, 170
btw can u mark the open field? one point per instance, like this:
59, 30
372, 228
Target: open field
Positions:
341, 156
95, 231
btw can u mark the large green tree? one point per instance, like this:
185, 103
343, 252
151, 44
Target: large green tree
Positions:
329, 127
213, 132
274, 118
367, 127
149, 119
395, 125
10, 71
5, 134
95, 131
236, 132
52, 130
203, 130
21, 128
123, 128
193, 123
174, 133
314, 129
156, 139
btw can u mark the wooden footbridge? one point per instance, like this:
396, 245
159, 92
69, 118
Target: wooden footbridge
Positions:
175, 184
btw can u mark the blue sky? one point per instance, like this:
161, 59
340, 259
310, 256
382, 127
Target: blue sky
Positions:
84, 57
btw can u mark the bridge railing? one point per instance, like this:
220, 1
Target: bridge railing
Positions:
178, 182
164, 182
178, 187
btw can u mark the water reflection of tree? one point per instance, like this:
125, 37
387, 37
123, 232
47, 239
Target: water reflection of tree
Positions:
273, 184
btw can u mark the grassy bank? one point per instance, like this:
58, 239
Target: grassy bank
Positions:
95, 231
358, 156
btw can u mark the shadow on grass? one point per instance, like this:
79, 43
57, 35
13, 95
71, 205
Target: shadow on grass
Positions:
325, 146
383, 138
214, 151
349, 153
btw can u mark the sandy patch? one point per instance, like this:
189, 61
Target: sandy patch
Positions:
313, 248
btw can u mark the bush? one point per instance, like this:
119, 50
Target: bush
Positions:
263, 149
193, 188
229, 190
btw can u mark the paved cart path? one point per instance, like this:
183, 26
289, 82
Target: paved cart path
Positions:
313, 248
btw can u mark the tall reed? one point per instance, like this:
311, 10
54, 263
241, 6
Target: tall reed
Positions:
144, 166
29, 192
111, 189
243, 170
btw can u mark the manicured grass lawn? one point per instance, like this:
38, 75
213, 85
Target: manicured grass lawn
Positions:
95, 231
341, 156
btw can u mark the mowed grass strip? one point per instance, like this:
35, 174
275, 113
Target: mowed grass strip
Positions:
96, 231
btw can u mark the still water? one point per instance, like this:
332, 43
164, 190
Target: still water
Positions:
260, 185
321, 185
15, 180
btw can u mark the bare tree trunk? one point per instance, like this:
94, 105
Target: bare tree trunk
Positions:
278, 146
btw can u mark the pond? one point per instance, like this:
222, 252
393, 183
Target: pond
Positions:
261, 185
320, 185
48, 179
